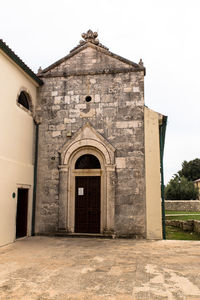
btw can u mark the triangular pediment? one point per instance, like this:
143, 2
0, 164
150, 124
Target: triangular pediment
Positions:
87, 136
90, 56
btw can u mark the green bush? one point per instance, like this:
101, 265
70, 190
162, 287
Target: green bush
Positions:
179, 188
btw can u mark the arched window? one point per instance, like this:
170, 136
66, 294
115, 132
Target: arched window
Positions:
87, 161
23, 99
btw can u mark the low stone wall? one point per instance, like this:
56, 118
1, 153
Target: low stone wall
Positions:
197, 226
189, 225
182, 205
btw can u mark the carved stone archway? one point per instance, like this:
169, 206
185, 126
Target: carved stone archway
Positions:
87, 141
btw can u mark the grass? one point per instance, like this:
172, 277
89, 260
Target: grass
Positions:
190, 215
172, 212
184, 218
174, 233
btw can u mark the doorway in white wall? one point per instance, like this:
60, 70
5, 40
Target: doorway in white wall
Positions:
22, 213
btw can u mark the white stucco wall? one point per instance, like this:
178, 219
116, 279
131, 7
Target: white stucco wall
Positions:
16, 145
152, 175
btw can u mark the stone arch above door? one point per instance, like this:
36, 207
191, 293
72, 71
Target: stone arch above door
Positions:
87, 140
87, 136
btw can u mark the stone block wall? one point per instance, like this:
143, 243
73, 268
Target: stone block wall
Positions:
182, 205
116, 111
197, 226
189, 225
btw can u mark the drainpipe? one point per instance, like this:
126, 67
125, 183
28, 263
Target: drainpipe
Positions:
37, 122
162, 131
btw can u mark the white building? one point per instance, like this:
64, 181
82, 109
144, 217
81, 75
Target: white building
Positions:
18, 86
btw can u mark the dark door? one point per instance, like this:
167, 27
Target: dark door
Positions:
87, 204
22, 211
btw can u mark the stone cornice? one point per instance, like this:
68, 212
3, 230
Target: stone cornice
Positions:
95, 72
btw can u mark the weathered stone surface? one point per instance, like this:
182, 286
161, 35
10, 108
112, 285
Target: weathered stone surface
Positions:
197, 226
188, 225
182, 205
99, 269
116, 111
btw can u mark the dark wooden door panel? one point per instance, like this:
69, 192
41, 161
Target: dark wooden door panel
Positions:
22, 212
87, 204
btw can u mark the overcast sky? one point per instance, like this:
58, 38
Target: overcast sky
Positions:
164, 33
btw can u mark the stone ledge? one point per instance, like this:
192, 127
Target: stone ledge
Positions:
74, 235
92, 72
189, 225
90, 235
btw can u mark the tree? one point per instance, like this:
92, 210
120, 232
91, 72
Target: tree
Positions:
190, 170
179, 188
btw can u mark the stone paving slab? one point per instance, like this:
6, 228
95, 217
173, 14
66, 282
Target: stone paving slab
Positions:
72, 268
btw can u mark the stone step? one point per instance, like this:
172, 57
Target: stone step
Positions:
83, 235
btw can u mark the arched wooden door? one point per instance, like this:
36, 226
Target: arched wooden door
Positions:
87, 196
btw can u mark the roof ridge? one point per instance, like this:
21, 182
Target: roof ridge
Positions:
90, 40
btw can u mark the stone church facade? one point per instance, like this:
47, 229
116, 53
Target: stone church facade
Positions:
94, 171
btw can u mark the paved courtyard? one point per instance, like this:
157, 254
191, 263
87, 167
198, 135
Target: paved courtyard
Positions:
81, 268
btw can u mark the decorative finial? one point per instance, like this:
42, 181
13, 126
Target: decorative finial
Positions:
89, 37
39, 70
141, 63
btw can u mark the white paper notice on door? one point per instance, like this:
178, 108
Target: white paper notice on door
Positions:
80, 191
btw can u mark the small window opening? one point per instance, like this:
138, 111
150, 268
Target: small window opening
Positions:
23, 100
88, 99
87, 161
